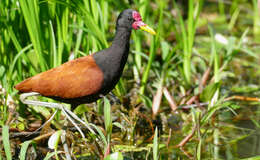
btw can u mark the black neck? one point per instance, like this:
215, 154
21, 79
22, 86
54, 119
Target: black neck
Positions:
121, 38
113, 59
120, 47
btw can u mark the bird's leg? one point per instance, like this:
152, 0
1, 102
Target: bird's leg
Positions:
72, 121
48, 121
48, 104
69, 114
37, 103
73, 115
65, 145
114, 98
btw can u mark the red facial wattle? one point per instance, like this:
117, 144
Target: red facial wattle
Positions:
139, 24
136, 16
138, 20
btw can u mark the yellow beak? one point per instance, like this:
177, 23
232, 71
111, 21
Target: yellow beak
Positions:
148, 29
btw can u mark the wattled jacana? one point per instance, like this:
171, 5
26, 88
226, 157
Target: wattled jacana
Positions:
88, 78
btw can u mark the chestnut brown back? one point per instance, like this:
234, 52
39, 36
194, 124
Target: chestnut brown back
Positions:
76, 78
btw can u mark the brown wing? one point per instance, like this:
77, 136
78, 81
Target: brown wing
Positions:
77, 78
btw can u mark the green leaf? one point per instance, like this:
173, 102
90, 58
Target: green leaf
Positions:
12, 65
107, 115
30, 10
252, 158
102, 136
209, 92
81, 109
119, 125
245, 89
6, 142
234, 106
49, 155
2, 71
155, 145
115, 156
199, 149
165, 49
210, 113
24, 148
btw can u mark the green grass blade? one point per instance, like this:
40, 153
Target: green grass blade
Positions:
155, 145
102, 136
252, 158
115, 156
31, 15
24, 148
53, 58
199, 153
6, 142
64, 23
152, 53
79, 37
11, 70
234, 18
14, 38
60, 41
107, 116
94, 9
50, 155
214, 55
148, 67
